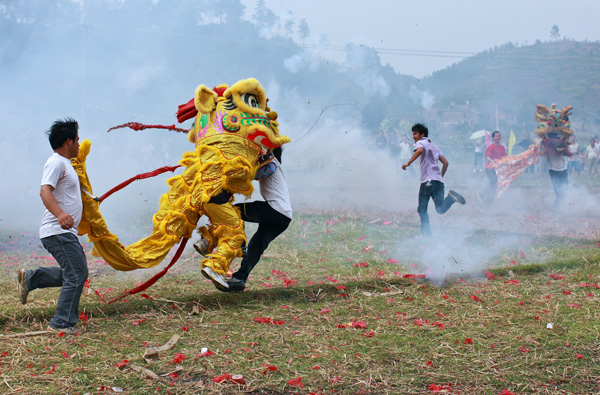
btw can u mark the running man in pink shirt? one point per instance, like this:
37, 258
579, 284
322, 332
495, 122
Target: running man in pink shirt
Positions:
432, 184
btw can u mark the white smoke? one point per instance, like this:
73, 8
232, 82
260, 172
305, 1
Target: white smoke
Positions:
424, 98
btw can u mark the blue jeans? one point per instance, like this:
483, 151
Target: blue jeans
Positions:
71, 276
435, 191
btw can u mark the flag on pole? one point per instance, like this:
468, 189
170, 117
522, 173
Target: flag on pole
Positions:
511, 142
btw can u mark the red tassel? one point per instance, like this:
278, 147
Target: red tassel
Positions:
186, 111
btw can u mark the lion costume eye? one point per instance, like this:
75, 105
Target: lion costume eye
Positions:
250, 100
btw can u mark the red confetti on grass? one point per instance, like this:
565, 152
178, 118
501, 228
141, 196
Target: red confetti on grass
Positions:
368, 334
288, 282
468, 341
270, 368
297, 382
268, 320
392, 261
325, 311
361, 264
121, 364
222, 378
579, 356
359, 324
489, 275
83, 317
206, 353
439, 387
507, 392
523, 349
413, 276
178, 358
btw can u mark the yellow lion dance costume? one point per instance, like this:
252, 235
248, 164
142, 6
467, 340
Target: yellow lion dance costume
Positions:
233, 126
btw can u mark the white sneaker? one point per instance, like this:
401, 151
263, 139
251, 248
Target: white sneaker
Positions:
217, 279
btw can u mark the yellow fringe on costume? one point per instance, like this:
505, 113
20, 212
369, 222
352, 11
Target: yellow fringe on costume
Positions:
229, 135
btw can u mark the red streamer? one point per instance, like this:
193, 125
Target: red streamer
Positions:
138, 177
141, 126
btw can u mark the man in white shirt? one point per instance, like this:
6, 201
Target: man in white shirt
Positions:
273, 216
592, 153
61, 196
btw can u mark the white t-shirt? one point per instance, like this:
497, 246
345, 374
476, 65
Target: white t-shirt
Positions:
275, 191
556, 161
592, 153
60, 174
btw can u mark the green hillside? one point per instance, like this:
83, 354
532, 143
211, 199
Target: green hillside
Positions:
516, 78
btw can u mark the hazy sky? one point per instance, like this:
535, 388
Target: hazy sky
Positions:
419, 37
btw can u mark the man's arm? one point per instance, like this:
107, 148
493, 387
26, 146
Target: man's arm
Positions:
444, 164
64, 219
417, 153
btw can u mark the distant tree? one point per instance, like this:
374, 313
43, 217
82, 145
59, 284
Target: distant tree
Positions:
232, 9
288, 24
554, 32
386, 126
303, 30
263, 16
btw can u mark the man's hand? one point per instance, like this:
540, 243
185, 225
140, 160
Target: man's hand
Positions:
65, 220
404, 166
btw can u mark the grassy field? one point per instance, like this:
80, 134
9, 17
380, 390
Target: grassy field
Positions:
337, 305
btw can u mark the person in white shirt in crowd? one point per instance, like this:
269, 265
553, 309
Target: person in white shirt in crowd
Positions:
592, 153
574, 160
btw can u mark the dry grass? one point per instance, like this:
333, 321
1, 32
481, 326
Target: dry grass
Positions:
313, 321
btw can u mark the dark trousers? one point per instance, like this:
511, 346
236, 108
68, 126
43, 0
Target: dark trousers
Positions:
70, 275
489, 192
271, 224
435, 191
560, 180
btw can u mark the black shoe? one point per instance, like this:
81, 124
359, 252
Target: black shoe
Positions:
457, 197
23, 287
236, 285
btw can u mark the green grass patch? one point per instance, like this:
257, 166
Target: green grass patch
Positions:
333, 307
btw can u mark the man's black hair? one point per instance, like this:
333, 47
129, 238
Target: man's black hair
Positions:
62, 130
494, 133
421, 129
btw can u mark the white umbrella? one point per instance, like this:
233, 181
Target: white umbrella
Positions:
478, 134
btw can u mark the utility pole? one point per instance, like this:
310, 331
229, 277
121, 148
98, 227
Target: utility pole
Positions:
496, 116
